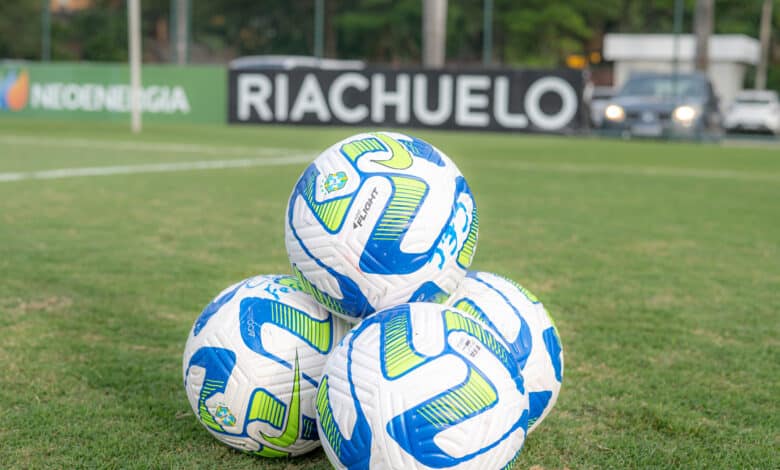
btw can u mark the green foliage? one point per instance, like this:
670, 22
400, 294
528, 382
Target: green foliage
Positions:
773, 78
382, 30
20, 29
106, 41
537, 32
544, 31
251, 27
659, 262
464, 31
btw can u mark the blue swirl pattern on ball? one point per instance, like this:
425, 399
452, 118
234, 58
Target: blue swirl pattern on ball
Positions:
413, 429
348, 242
252, 365
522, 321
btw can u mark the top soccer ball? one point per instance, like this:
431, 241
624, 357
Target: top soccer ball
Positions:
380, 219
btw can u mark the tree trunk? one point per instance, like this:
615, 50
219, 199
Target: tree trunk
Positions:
765, 35
434, 32
703, 20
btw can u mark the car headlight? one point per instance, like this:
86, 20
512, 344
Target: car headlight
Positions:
685, 114
614, 113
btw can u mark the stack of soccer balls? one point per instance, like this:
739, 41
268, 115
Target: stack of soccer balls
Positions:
443, 368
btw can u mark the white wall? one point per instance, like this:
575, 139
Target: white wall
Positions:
722, 47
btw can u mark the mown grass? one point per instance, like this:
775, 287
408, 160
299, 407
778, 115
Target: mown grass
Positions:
660, 263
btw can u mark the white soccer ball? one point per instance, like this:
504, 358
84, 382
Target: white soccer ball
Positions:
522, 321
421, 386
252, 364
380, 219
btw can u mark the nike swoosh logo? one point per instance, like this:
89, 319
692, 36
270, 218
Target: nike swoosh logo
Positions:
401, 159
290, 431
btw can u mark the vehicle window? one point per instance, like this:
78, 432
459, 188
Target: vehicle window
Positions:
753, 101
664, 87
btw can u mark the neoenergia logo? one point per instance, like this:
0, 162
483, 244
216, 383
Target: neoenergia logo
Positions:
14, 90
18, 92
112, 98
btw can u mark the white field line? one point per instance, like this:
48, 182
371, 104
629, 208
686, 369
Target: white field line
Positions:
129, 145
636, 170
154, 168
278, 156
273, 157
303, 158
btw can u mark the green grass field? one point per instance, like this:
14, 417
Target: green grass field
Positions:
660, 263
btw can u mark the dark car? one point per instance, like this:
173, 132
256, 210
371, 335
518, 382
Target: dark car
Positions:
664, 105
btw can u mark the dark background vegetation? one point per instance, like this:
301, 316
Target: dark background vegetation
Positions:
531, 32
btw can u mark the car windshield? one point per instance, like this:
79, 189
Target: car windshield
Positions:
664, 87
754, 101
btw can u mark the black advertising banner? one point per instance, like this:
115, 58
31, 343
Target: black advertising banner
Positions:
498, 100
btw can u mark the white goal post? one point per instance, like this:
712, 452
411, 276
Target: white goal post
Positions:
134, 56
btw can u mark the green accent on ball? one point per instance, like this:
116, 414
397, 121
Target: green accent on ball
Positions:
439, 298
316, 332
357, 148
290, 281
514, 459
265, 407
466, 254
400, 158
270, 452
531, 421
324, 299
457, 322
290, 431
205, 416
327, 422
467, 307
529, 295
472, 397
398, 356
402, 207
309, 428
332, 212
552, 322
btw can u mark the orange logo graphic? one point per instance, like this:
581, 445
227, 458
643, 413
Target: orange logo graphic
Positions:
14, 90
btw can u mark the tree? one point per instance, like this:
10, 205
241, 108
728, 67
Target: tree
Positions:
98, 33
251, 27
380, 30
20, 29
535, 32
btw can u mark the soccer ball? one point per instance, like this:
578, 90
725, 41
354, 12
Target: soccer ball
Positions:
421, 386
522, 321
380, 219
252, 364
